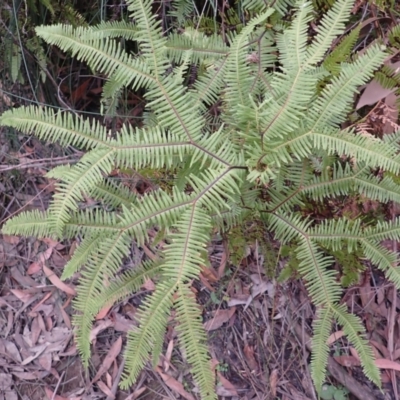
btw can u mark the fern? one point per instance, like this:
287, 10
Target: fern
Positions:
274, 145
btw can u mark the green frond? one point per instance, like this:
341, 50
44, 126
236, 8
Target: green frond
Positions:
237, 71
103, 56
208, 87
111, 29
384, 259
86, 249
292, 43
287, 227
320, 278
215, 187
151, 147
113, 194
203, 48
367, 150
156, 208
320, 350
384, 230
181, 10
332, 233
130, 282
394, 36
66, 128
153, 317
29, 223
84, 175
193, 340
335, 99
388, 77
333, 24
355, 332
341, 52
186, 253
101, 266
244, 132
149, 35
92, 221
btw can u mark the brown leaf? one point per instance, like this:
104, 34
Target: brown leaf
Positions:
34, 268
387, 364
104, 324
273, 382
249, 356
220, 317
57, 282
5, 382
50, 394
174, 385
22, 295
334, 337
374, 91
227, 387
105, 389
112, 354
347, 361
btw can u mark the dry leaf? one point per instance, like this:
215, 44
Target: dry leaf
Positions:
334, 337
104, 388
22, 295
168, 354
387, 364
106, 323
226, 388
348, 361
374, 91
103, 312
57, 282
249, 356
136, 394
273, 382
34, 268
174, 385
219, 318
50, 394
112, 354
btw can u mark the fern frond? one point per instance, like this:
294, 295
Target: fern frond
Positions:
85, 250
101, 266
341, 52
331, 106
66, 128
333, 24
193, 340
111, 29
355, 331
149, 35
320, 351
203, 48
386, 260
87, 173
153, 316
316, 270
104, 56
29, 223
186, 253
114, 195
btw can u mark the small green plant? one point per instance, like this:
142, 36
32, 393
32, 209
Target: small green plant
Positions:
330, 392
274, 144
